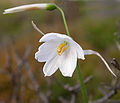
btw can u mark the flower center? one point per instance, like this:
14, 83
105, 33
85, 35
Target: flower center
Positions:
62, 48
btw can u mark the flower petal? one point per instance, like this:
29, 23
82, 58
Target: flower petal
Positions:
54, 36
51, 66
89, 52
68, 62
46, 51
79, 50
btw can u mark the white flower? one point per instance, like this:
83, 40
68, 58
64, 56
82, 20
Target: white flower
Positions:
61, 51
47, 6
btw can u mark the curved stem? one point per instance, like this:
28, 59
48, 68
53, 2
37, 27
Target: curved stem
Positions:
83, 90
65, 23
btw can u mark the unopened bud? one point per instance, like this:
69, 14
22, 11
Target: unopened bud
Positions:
46, 6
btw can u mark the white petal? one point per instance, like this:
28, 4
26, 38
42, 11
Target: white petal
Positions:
51, 66
78, 49
46, 51
89, 52
68, 63
25, 7
55, 37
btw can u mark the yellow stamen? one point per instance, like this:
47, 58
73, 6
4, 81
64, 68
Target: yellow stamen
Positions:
62, 47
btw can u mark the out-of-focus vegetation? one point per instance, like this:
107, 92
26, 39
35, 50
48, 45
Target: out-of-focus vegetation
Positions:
92, 24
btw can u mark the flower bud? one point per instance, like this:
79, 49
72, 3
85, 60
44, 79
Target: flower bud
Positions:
47, 6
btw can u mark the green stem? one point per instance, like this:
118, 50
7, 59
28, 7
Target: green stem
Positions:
84, 93
65, 23
83, 90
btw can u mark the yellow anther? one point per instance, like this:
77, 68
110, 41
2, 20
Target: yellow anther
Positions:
62, 47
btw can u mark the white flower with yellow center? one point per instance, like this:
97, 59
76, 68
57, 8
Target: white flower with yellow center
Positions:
61, 51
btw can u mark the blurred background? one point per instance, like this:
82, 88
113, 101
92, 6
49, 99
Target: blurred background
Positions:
93, 24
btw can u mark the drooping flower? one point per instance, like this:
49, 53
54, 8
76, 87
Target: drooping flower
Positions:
47, 6
61, 51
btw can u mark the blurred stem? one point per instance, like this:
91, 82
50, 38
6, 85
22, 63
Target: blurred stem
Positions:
64, 19
83, 89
